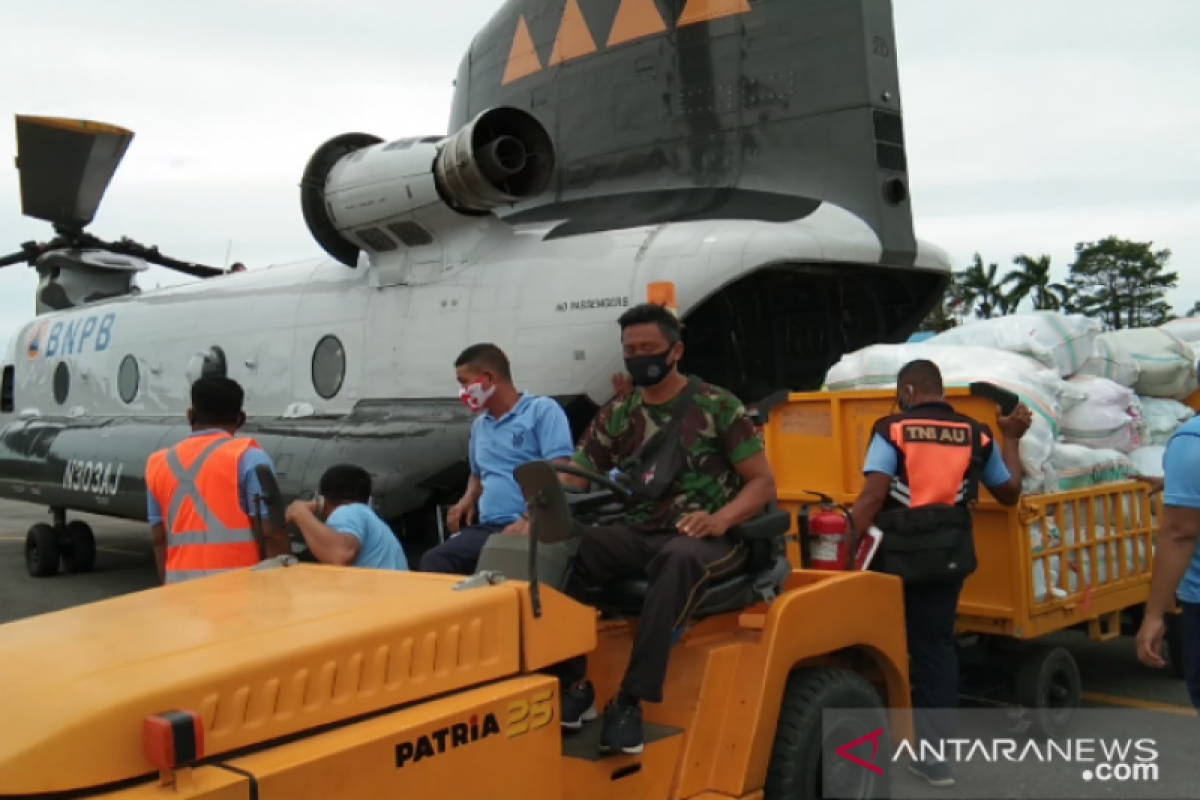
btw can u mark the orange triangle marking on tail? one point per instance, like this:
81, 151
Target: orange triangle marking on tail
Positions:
523, 58
705, 10
574, 39
636, 19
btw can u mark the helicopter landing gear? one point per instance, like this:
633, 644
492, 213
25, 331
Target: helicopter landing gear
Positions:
71, 544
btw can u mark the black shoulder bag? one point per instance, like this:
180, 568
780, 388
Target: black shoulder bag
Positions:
656, 465
934, 543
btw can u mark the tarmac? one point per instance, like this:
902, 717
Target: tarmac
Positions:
1112, 676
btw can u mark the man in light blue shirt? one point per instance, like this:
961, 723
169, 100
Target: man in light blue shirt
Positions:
1176, 571
341, 529
512, 428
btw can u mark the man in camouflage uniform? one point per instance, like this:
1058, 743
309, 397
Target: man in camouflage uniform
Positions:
677, 540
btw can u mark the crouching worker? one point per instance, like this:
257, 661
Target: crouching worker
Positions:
341, 529
923, 469
713, 476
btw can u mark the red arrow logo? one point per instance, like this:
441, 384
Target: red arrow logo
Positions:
873, 737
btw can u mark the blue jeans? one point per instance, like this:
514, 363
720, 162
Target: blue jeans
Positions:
1190, 657
459, 554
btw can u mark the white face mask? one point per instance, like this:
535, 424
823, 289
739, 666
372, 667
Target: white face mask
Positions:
474, 396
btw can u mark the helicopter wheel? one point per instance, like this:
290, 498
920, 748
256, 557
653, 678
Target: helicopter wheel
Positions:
78, 548
42, 552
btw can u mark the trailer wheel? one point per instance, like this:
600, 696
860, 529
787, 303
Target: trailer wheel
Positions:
41, 551
1049, 685
79, 549
797, 770
1173, 641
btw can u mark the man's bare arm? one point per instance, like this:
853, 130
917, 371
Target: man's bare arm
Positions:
757, 491
1009, 493
573, 480
869, 501
1173, 550
473, 493
275, 540
327, 545
158, 535
1156, 484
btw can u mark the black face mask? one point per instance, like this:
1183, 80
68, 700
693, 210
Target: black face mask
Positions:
649, 370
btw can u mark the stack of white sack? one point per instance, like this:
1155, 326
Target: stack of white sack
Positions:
1078, 467
1163, 418
1108, 549
1111, 360
1148, 461
1109, 418
1039, 387
1187, 329
1167, 364
1061, 342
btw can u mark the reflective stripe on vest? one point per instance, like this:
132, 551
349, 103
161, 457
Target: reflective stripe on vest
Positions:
205, 544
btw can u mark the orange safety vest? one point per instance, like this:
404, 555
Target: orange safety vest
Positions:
196, 484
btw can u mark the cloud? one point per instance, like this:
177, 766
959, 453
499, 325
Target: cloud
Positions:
1030, 125
1033, 126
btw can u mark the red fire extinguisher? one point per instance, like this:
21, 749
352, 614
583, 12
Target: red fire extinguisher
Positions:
826, 536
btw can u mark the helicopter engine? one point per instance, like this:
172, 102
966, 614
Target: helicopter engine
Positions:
361, 193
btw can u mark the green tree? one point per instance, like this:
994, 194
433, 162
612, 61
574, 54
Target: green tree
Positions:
982, 292
1194, 311
1032, 279
948, 312
1122, 283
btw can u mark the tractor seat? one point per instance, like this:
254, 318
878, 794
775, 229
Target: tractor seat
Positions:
767, 567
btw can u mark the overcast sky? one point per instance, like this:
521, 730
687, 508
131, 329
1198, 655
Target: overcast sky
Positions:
1031, 124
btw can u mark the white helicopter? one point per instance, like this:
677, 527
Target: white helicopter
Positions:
744, 165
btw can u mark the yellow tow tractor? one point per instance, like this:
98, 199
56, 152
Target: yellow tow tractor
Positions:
289, 681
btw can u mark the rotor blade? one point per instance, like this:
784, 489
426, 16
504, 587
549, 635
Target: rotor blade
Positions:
29, 253
15, 258
66, 166
127, 247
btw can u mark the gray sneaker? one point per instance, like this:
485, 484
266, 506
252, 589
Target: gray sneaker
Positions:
578, 705
936, 774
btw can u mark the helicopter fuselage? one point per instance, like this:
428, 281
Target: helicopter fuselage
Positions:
339, 367
746, 160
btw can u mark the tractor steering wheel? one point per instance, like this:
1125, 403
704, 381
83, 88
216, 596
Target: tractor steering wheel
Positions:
615, 491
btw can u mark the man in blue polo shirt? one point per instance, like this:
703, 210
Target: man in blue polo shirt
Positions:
512, 428
1176, 571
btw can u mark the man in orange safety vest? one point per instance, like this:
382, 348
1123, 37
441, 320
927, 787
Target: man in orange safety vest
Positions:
201, 492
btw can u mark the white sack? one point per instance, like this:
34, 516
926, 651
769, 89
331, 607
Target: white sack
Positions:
1163, 418
1058, 341
1110, 359
1148, 461
1167, 363
1078, 467
876, 367
1110, 417
1039, 388
1187, 329
1037, 447
1046, 534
